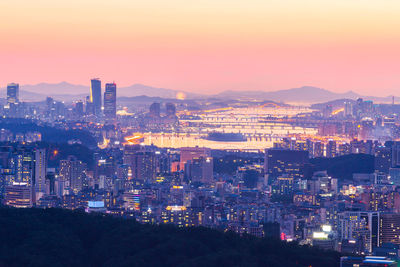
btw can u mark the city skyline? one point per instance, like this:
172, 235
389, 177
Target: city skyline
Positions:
304, 95
207, 47
269, 129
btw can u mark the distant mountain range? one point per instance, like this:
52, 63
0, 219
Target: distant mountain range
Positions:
306, 95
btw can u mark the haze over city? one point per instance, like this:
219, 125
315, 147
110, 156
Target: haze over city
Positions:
212, 133
205, 46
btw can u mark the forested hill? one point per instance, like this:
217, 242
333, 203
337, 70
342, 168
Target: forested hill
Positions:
54, 237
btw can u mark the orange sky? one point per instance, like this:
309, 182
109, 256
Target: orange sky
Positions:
204, 45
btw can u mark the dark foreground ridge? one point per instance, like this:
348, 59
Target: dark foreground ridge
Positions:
55, 237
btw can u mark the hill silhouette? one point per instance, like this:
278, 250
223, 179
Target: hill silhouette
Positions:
344, 167
55, 237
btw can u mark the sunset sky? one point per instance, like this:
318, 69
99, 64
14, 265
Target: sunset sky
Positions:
205, 45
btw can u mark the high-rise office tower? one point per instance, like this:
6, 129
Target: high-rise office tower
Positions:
12, 93
78, 109
189, 153
310, 147
396, 154
285, 185
331, 149
280, 162
95, 95
23, 166
383, 159
142, 163
301, 145
170, 109
40, 172
110, 101
360, 226
199, 169
348, 109
389, 228
124, 177
72, 173
5, 155
89, 106
343, 149
155, 110
318, 149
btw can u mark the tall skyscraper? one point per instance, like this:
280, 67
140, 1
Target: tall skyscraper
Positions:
331, 149
318, 149
170, 109
343, 149
155, 109
40, 172
110, 101
396, 154
12, 93
23, 166
289, 162
142, 163
189, 153
89, 106
78, 109
95, 95
360, 226
383, 159
199, 169
72, 173
348, 109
